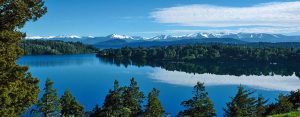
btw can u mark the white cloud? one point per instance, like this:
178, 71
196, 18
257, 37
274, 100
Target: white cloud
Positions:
273, 30
276, 82
270, 30
277, 16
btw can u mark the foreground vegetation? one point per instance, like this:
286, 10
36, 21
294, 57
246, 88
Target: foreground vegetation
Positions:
18, 89
54, 47
290, 114
126, 101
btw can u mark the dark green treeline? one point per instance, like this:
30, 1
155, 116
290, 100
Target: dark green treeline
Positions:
198, 53
55, 47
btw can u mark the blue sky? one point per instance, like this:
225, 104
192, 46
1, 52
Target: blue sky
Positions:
176, 17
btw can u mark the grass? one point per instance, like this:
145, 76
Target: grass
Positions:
290, 114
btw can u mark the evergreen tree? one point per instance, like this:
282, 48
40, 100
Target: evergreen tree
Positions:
200, 105
113, 104
294, 98
261, 106
241, 105
154, 107
96, 112
18, 89
70, 107
282, 106
49, 105
54, 47
133, 98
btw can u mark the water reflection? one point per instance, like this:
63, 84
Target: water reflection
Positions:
57, 60
274, 82
280, 77
219, 68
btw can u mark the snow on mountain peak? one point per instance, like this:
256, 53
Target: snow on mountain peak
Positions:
116, 36
69, 36
39, 37
200, 35
51, 37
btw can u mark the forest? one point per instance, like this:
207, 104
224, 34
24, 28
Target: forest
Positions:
54, 47
197, 53
128, 101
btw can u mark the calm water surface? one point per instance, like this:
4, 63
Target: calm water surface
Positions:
89, 79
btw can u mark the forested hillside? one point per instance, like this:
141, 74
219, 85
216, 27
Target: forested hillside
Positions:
52, 47
217, 52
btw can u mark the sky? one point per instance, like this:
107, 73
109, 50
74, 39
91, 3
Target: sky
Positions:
175, 17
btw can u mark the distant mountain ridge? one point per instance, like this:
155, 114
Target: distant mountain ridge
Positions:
116, 40
241, 36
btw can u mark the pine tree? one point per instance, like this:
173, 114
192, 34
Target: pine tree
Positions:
200, 105
282, 106
133, 98
18, 89
261, 106
241, 105
49, 105
154, 107
96, 112
294, 98
70, 106
113, 104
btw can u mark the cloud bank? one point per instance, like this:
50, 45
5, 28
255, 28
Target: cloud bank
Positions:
283, 16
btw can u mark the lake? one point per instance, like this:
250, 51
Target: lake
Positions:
89, 78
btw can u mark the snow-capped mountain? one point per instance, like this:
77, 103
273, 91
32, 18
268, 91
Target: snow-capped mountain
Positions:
247, 37
58, 37
165, 37
116, 36
125, 37
220, 35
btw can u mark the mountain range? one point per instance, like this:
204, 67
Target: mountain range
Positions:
116, 41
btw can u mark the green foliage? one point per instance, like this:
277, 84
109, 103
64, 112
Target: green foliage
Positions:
121, 101
49, 105
294, 98
241, 105
15, 13
126, 102
200, 105
154, 107
261, 107
50, 47
192, 53
18, 89
70, 106
282, 106
96, 112
133, 98
113, 103
289, 114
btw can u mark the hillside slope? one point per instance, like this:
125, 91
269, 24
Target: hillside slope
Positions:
53, 47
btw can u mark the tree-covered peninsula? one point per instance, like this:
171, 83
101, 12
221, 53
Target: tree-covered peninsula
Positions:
198, 53
55, 47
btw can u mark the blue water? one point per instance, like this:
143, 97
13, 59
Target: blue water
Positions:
89, 79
